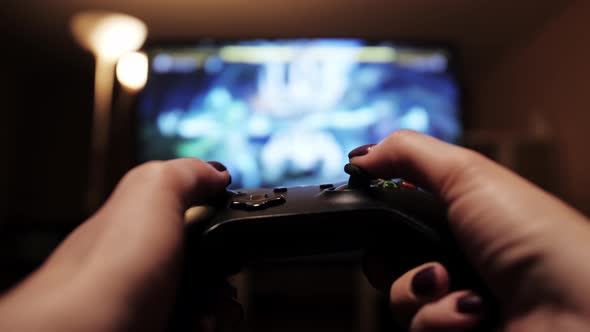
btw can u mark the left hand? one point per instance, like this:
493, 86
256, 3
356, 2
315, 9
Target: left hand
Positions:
118, 270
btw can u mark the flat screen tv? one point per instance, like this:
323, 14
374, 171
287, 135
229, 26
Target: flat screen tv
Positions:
285, 112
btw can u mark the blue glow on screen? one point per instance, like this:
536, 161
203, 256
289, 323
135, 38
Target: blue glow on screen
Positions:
286, 112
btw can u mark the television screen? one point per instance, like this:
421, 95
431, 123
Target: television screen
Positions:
286, 112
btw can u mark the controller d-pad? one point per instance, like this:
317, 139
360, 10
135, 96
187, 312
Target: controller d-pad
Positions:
256, 201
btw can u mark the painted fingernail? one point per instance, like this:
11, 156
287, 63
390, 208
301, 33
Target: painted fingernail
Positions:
469, 304
218, 166
360, 151
424, 282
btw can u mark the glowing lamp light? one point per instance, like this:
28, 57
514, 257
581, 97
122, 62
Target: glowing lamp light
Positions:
108, 35
132, 71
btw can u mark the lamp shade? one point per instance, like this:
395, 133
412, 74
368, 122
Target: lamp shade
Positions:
108, 35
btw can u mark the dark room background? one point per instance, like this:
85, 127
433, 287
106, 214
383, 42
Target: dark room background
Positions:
524, 67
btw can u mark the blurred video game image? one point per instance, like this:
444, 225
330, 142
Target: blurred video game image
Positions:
287, 112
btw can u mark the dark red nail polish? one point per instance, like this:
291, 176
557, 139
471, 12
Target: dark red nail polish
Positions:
469, 304
218, 166
424, 282
360, 151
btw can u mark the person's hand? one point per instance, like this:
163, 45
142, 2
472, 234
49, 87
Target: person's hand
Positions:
118, 271
531, 249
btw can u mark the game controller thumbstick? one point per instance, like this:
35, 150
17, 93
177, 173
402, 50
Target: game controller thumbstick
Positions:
359, 179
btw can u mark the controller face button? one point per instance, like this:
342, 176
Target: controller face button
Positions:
407, 184
326, 186
388, 185
257, 201
280, 190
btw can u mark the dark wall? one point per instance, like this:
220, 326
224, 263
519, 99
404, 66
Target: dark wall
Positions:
46, 99
46, 102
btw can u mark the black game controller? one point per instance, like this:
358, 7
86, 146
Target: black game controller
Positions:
391, 217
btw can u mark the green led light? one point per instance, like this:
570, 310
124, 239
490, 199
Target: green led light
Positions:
388, 185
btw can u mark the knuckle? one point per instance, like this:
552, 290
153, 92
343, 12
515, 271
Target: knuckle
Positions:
149, 172
465, 157
150, 169
467, 161
401, 140
466, 167
401, 136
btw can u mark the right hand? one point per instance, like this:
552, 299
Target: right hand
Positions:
530, 248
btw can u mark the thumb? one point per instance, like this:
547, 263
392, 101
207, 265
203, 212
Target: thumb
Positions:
505, 224
121, 265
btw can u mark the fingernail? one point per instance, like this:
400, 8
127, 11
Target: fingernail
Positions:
424, 282
469, 304
218, 166
360, 151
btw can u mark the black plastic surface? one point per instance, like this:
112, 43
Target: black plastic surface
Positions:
395, 220
407, 224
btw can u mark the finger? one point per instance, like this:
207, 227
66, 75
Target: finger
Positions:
421, 285
132, 245
143, 220
456, 312
425, 160
455, 173
148, 202
382, 269
487, 204
177, 183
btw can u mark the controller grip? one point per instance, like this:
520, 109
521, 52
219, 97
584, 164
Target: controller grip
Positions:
404, 241
413, 233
